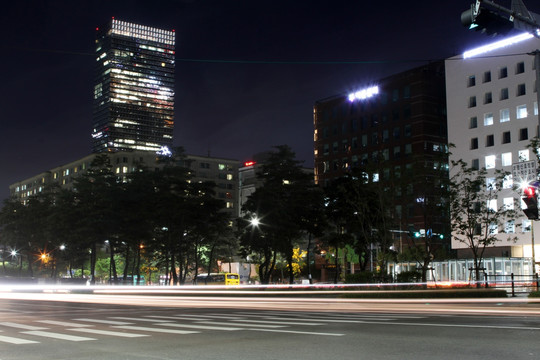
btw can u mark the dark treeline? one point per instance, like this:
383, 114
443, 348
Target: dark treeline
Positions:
162, 222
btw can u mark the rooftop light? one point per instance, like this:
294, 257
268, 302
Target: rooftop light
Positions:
497, 45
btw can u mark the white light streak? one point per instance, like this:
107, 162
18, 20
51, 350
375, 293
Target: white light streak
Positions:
497, 45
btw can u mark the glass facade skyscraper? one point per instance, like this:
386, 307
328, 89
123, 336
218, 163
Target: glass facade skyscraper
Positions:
134, 88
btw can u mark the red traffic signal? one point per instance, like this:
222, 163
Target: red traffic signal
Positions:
529, 192
531, 201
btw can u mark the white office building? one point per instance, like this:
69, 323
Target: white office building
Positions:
492, 116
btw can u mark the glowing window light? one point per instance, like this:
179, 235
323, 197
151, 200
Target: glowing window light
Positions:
497, 45
364, 93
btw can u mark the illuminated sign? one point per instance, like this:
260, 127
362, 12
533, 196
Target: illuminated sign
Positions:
364, 93
249, 163
497, 45
164, 151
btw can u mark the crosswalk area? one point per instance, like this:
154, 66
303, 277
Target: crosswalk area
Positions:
101, 326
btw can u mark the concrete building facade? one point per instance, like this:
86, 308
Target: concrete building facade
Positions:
492, 116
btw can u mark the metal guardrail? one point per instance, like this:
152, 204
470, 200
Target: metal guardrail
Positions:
512, 281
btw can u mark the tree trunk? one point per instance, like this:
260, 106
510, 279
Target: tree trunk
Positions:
93, 257
291, 270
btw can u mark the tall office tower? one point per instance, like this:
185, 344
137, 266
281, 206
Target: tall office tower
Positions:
134, 88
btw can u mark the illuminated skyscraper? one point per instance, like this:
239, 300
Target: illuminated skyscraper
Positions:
134, 88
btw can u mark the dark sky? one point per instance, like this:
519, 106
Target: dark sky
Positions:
247, 72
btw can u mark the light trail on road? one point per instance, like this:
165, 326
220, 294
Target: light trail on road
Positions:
489, 306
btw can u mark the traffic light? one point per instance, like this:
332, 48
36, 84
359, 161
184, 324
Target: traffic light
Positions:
486, 21
531, 201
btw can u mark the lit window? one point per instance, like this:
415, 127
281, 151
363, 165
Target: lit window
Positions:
229, 176
526, 225
488, 119
510, 227
505, 115
508, 203
506, 159
490, 161
523, 155
507, 182
521, 111
492, 205
491, 183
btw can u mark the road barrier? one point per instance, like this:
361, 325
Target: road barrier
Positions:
510, 282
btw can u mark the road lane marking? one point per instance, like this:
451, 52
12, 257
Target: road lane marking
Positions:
297, 332
278, 322
57, 336
323, 320
21, 326
17, 341
215, 316
108, 332
160, 330
202, 327
139, 319
62, 323
171, 319
245, 325
108, 322
498, 327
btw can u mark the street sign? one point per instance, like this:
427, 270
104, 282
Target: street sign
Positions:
524, 171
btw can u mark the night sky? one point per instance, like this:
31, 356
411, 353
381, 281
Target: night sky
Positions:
247, 72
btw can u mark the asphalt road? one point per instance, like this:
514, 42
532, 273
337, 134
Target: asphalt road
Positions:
61, 326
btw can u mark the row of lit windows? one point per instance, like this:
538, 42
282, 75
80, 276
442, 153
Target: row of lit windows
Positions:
490, 161
142, 32
504, 116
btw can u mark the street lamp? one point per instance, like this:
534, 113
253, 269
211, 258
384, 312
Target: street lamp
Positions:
255, 221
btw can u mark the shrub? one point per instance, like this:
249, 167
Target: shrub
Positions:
363, 277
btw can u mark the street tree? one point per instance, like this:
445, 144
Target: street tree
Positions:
281, 204
476, 219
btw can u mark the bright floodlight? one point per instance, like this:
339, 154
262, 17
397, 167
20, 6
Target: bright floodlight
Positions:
364, 93
497, 45
255, 221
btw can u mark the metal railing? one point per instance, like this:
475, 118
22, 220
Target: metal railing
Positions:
512, 282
